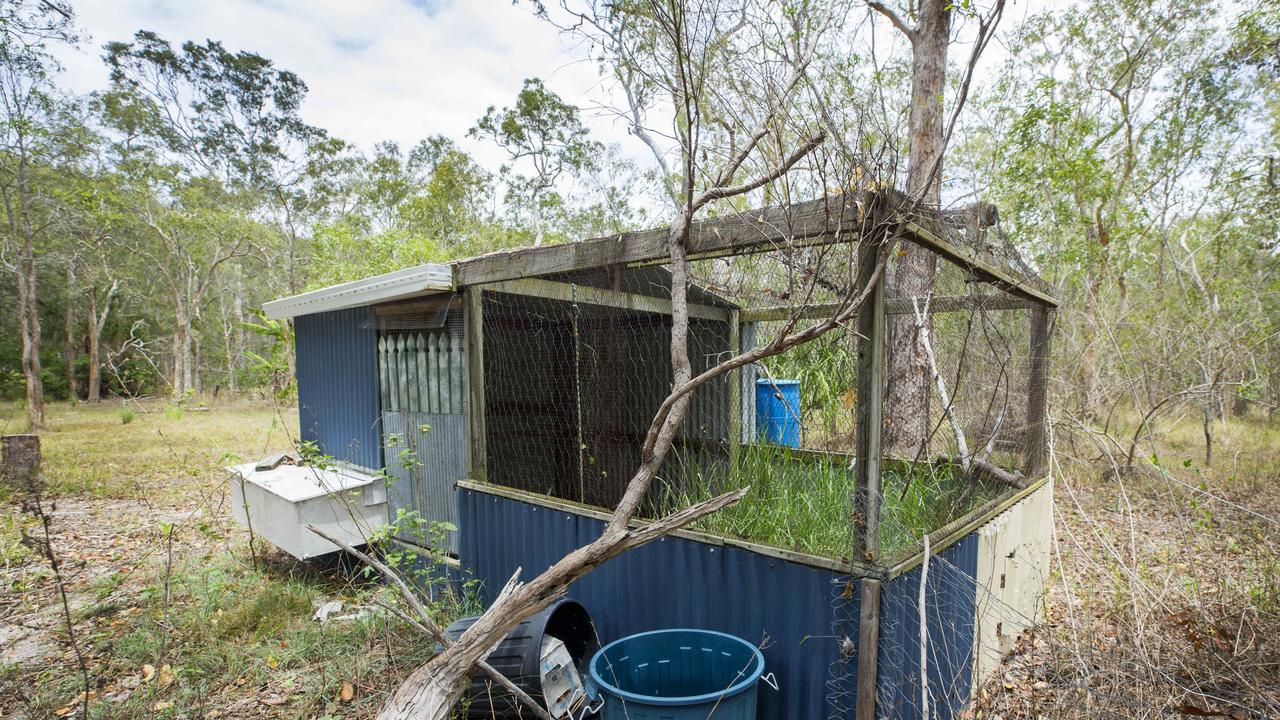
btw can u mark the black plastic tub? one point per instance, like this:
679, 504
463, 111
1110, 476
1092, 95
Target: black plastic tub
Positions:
518, 654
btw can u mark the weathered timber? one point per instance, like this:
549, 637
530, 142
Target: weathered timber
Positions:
21, 463
932, 236
551, 290
893, 306
868, 647
982, 468
474, 323
1038, 390
831, 219
828, 220
870, 325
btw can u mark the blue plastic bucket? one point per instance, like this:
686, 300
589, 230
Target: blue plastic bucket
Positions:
677, 675
778, 412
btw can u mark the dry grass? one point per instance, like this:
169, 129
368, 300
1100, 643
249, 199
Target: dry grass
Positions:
90, 450
230, 640
1165, 601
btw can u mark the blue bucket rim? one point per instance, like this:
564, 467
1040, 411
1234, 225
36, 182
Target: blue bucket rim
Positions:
767, 382
736, 688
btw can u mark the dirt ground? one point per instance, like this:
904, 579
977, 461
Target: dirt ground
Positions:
1164, 599
172, 616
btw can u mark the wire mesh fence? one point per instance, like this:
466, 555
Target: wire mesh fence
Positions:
575, 366
572, 385
574, 377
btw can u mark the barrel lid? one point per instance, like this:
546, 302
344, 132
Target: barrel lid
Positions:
766, 382
596, 683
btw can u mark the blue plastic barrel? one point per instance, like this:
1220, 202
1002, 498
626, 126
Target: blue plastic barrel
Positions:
677, 675
778, 412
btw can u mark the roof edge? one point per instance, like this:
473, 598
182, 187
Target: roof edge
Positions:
366, 291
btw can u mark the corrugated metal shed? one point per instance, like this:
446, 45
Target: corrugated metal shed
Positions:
338, 385
796, 610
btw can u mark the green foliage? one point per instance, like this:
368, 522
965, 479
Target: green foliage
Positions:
127, 415
13, 551
275, 364
544, 139
232, 113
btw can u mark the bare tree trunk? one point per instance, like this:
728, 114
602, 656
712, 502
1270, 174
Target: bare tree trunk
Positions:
93, 391
29, 321
181, 348
190, 368
73, 391
97, 321
908, 393
19, 221
537, 218
238, 314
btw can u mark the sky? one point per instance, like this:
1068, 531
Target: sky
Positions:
377, 69
396, 70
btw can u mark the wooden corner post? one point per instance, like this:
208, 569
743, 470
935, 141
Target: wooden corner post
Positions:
735, 387
1036, 445
473, 317
866, 500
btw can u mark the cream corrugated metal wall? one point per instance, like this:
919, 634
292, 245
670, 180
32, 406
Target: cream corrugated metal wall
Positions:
1013, 569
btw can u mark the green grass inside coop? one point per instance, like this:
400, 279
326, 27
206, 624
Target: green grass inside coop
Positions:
803, 503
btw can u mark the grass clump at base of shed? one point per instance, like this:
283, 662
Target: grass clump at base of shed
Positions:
802, 501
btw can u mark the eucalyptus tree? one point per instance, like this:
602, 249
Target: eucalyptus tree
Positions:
928, 29
544, 139
30, 143
395, 208
196, 116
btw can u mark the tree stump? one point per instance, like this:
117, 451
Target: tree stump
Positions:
20, 463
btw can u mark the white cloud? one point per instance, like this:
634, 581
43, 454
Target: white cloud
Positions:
378, 69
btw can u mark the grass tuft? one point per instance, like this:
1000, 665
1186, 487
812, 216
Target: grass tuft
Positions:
803, 501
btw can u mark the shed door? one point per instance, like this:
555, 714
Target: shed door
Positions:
424, 426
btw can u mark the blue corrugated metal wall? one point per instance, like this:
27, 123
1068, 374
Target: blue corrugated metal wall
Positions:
337, 367
950, 596
675, 582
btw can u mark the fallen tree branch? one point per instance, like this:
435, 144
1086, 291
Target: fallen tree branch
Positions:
429, 693
1008, 477
922, 325
427, 626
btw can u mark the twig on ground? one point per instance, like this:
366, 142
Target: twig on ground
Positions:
428, 626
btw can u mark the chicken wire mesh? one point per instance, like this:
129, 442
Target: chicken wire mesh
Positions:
572, 384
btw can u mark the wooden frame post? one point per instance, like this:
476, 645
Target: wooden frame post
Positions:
735, 388
866, 501
473, 317
868, 647
1036, 445
870, 326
